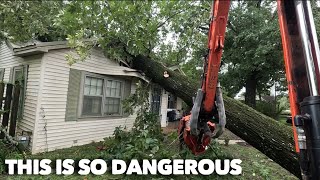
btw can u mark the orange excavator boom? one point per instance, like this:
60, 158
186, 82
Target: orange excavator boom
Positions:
302, 64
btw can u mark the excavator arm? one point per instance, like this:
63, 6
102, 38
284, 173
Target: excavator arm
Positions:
301, 57
197, 128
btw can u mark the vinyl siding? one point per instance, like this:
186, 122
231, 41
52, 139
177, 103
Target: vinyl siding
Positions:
8, 61
53, 131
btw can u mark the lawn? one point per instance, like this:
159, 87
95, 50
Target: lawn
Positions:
255, 165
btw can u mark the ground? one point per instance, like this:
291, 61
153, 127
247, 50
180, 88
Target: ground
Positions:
255, 165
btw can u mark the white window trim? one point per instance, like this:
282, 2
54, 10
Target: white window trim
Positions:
81, 95
13, 73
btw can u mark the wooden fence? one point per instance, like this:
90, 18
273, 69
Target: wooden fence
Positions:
9, 105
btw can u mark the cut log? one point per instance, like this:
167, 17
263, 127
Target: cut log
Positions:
264, 133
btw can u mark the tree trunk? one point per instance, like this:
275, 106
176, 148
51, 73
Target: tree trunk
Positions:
251, 87
264, 133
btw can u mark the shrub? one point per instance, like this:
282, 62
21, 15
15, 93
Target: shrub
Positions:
8, 151
269, 109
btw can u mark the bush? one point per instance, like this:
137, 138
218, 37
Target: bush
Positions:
8, 151
269, 109
142, 142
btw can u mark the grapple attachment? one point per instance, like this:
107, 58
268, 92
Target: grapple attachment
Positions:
196, 132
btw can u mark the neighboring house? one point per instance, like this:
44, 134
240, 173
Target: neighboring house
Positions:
66, 105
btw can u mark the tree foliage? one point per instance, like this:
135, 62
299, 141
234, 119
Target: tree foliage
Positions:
26, 20
171, 31
252, 48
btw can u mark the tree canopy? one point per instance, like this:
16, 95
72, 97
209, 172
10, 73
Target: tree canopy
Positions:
253, 52
143, 27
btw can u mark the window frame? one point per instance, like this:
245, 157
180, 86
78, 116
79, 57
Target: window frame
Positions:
83, 86
24, 70
105, 78
121, 96
13, 74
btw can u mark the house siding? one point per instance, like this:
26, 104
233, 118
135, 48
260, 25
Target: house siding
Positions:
8, 61
53, 131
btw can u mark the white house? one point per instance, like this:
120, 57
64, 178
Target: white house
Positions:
64, 106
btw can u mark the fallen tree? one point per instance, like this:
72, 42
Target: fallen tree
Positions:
264, 133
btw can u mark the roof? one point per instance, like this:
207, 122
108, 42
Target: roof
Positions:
18, 45
35, 47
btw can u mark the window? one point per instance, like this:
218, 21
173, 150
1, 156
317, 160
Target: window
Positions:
101, 97
19, 75
155, 100
113, 97
1, 74
92, 99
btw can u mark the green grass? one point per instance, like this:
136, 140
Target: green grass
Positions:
89, 151
255, 165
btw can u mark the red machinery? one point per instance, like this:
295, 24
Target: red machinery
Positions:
301, 57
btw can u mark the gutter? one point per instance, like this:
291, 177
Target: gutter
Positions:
39, 48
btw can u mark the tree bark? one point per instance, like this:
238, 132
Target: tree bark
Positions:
251, 87
264, 133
